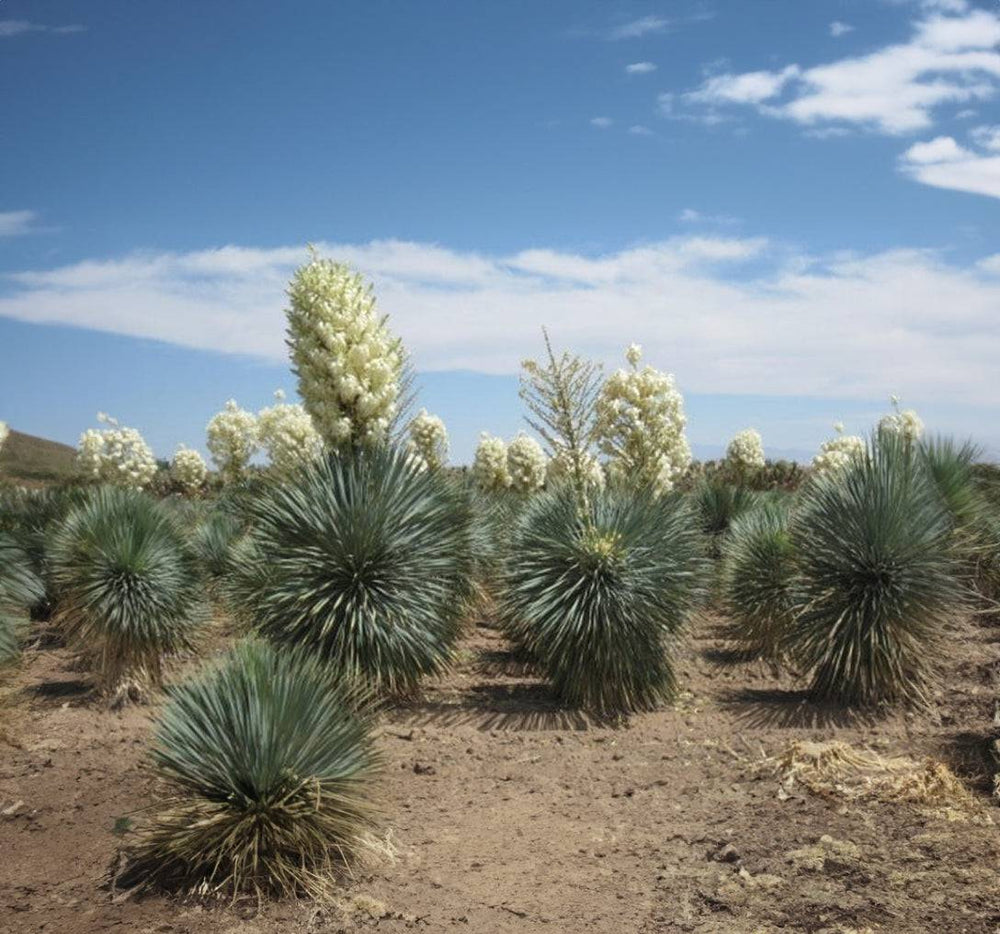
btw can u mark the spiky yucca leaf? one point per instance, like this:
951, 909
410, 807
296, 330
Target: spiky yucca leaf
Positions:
271, 761
128, 586
363, 559
878, 577
758, 578
597, 604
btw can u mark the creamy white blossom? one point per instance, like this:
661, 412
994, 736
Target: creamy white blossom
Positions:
746, 450
905, 423
489, 468
526, 464
349, 365
560, 468
4, 431
838, 452
116, 455
232, 437
641, 425
428, 440
287, 433
188, 469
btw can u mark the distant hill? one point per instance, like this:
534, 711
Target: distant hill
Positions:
25, 457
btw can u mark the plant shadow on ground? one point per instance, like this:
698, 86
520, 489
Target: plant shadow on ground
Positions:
758, 708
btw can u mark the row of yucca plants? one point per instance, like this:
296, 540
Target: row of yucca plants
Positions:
857, 581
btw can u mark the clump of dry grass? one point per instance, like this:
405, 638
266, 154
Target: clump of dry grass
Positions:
838, 770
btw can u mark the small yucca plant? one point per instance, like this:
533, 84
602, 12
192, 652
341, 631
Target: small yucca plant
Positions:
270, 759
213, 542
598, 599
879, 583
363, 559
20, 587
128, 586
758, 578
717, 504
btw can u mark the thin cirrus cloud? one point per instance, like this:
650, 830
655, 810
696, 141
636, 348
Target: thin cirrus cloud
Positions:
17, 223
637, 28
18, 27
602, 123
640, 68
697, 303
950, 58
838, 29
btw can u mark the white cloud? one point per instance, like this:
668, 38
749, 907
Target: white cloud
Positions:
601, 122
17, 27
17, 223
838, 29
731, 315
943, 163
987, 137
640, 68
639, 130
637, 28
950, 59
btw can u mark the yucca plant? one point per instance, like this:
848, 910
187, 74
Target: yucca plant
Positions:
31, 518
20, 588
879, 582
717, 504
270, 760
213, 541
363, 559
128, 585
597, 600
758, 578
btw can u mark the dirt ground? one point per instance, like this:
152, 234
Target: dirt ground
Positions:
509, 814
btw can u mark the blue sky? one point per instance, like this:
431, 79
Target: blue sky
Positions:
793, 207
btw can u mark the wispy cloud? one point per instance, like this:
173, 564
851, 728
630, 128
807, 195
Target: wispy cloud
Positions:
18, 27
727, 314
636, 28
639, 130
692, 216
951, 58
838, 29
640, 68
18, 223
943, 163
602, 123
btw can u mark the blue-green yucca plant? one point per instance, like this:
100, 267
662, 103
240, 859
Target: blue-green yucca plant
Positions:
879, 581
271, 763
597, 599
718, 504
363, 559
128, 587
758, 578
20, 588
213, 541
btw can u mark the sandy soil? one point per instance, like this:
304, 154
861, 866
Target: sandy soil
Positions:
509, 814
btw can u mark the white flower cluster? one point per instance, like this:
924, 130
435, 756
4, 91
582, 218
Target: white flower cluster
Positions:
905, 423
746, 450
115, 455
348, 364
838, 452
560, 468
4, 431
526, 464
428, 440
188, 469
232, 439
640, 425
287, 433
489, 468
